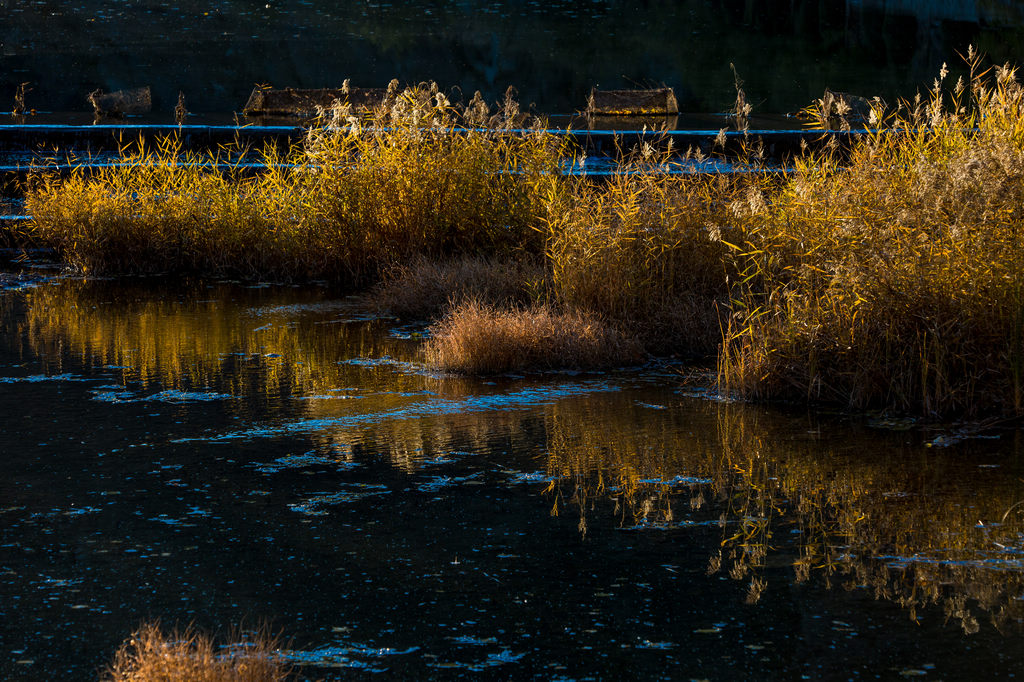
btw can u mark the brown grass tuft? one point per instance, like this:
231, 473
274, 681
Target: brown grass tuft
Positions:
152, 655
425, 288
478, 339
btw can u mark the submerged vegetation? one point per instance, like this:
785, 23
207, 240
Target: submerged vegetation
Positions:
884, 275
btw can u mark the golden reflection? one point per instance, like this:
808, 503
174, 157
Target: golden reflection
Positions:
7, 319
330, 362
185, 337
921, 527
410, 435
915, 526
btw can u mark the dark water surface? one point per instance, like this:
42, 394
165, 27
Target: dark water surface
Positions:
553, 51
226, 453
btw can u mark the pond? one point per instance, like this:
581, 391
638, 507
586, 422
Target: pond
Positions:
226, 453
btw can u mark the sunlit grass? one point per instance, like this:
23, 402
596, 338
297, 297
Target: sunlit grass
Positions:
478, 339
644, 250
893, 278
886, 275
152, 654
355, 197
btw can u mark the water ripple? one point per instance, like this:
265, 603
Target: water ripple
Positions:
524, 399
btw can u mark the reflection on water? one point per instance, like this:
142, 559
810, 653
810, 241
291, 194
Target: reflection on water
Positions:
788, 51
213, 452
902, 523
190, 335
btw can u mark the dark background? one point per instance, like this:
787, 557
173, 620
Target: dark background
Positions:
787, 51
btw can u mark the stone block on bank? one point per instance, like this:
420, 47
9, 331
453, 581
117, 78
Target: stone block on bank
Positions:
304, 102
121, 102
654, 102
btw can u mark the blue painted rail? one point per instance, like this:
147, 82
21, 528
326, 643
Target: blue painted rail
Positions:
97, 139
28, 148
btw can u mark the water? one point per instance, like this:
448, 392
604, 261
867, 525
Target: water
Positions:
228, 453
554, 51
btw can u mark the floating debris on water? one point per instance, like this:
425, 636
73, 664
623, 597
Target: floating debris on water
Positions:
315, 504
304, 461
168, 396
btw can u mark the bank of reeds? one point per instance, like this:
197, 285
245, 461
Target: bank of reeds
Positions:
154, 655
417, 178
893, 279
886, 275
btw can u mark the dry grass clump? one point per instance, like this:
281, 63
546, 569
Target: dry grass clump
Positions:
355, 197
475, 338
894, 280
425, 288
152, 655
644, 250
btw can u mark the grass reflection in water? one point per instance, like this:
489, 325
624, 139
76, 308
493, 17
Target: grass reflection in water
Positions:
299, 352
927, 529
186, 339
910, 525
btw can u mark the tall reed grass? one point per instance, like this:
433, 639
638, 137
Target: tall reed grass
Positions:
886, 274
645, 251
893, 279
356, 196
